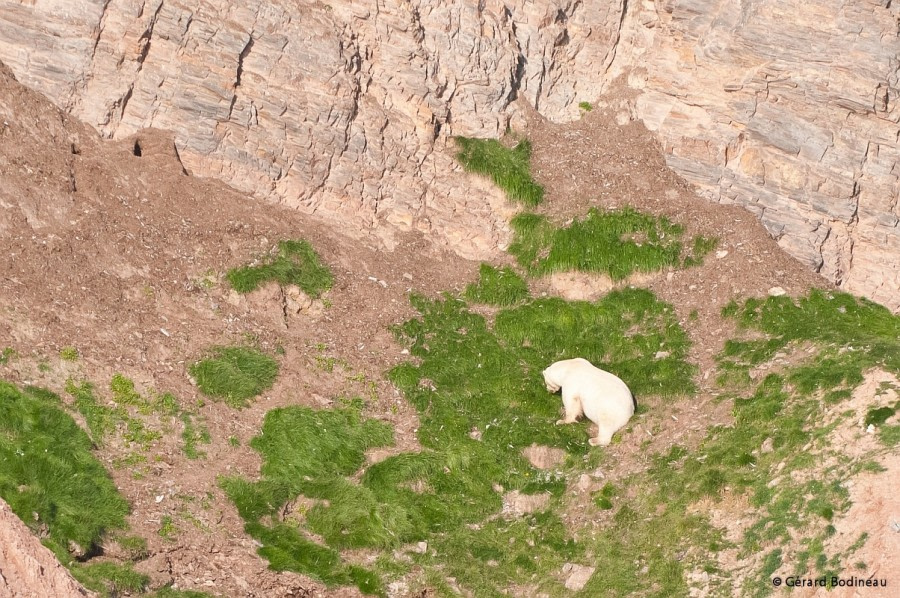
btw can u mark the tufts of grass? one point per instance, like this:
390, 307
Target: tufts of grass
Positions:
110, 579
69, 354
503, 553
7, 354
510, 169
617, 243
235, 374
497, 286
102, 420
295, 263
854, 334
124, 393
586, 106
700, 248
47, 469
311, 453
791, 498
876, 417
167, 528
134, 546
467, 378
193, 435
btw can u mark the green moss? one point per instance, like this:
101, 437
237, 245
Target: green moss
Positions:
510, 169
295, 263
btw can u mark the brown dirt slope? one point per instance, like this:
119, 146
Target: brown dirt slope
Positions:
112, 248
122, 256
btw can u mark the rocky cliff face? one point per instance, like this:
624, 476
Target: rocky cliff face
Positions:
27, 568
345, 108
790, 109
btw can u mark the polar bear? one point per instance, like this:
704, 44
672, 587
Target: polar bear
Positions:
602, 397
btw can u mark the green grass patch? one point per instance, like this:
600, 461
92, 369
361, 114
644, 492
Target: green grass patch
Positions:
134, 546
497, 286
47, 468
853, 335
312, 452
167, 528
792, 499
6, 355
193, 435
586, 106
503, 553
102, 420
878, 416
294, 263
110, 579
509, 168
69, 354
889, 435
235, 374
124, 393
616, 243
467, 377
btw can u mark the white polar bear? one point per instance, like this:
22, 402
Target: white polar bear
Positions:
602, 397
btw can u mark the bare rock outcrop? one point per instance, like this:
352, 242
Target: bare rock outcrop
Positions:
345, 108
789, 109
341, 108
28, 569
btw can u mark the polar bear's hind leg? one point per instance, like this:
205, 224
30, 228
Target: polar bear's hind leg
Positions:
604, 436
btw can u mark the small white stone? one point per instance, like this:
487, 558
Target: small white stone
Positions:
584, 482
777, 292
721, 253
578, 576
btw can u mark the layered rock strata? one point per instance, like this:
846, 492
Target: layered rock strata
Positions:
346, 108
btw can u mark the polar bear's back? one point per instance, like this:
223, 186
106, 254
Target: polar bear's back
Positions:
598, 389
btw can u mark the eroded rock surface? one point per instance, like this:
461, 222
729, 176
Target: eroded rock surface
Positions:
789, 109
28, 569
346, 108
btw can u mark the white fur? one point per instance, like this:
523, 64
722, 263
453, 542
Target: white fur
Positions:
602, 397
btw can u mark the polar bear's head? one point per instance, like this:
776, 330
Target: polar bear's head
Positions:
550, 380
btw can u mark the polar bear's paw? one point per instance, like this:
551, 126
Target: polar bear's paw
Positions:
560, 422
